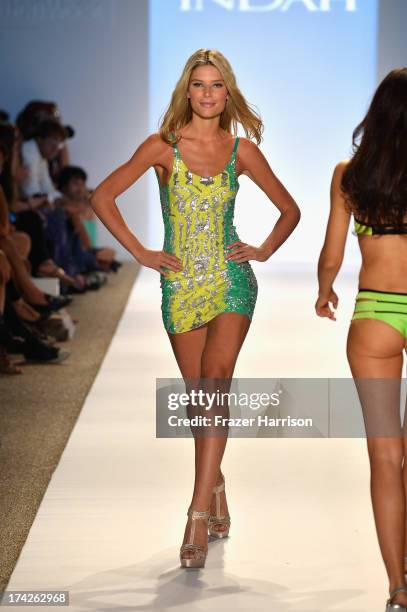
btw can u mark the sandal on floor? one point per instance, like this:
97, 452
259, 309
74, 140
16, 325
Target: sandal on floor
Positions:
395, 607
199, 552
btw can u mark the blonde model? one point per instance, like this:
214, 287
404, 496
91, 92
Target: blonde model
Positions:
208, 287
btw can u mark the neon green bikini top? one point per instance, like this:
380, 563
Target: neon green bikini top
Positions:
363, 229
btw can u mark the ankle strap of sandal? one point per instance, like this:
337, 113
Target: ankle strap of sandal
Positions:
197, 514
402, 589
219, 488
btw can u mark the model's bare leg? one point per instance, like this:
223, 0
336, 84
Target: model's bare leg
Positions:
405, 479
188, 348
219, 343
375, 352
226, 334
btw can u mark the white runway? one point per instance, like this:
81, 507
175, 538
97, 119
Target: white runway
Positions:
112, 519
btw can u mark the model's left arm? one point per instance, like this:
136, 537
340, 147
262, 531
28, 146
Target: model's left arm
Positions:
331, 257
252, 162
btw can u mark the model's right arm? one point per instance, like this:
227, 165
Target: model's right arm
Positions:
151, 152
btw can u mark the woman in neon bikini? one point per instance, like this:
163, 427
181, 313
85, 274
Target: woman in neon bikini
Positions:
373, 187
208, 287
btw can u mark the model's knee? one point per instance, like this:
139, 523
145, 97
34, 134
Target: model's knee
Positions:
389, 453
216, 370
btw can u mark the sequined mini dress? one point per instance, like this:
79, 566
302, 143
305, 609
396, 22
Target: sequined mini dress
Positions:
198, 216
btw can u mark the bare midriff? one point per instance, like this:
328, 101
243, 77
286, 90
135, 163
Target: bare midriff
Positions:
384, 262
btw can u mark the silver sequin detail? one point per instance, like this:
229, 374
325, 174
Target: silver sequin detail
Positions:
198, 215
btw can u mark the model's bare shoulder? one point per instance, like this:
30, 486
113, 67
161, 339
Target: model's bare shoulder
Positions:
339, 169
247, 146
338, 198
337, 175
248, 153
153, 149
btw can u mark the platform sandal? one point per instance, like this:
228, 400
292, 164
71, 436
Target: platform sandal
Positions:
199, 552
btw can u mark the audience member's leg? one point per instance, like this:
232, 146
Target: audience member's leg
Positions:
6, 366
31, 223
20, 274
22, 242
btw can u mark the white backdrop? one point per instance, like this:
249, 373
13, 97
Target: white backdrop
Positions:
310, 73
111, 65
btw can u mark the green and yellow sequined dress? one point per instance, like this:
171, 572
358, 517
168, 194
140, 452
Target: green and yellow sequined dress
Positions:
198, 221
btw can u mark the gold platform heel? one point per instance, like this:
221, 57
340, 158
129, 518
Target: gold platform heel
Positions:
199, 558
217, 519
390, 606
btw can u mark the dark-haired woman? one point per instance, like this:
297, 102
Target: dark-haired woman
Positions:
372, 187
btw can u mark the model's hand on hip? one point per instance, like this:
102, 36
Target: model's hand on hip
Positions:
322, 305
243, 252
158, 260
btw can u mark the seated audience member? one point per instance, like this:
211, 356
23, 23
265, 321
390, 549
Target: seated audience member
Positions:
6, 366
35, 152
35, 299
17, 337
35, 214
21, 338
49, 139
29, 119
72, 185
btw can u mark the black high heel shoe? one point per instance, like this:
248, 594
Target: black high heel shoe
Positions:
53, 304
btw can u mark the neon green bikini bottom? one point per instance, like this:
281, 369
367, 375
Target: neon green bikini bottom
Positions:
384, 306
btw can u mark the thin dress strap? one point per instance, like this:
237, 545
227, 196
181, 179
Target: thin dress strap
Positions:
175, 148
236, 144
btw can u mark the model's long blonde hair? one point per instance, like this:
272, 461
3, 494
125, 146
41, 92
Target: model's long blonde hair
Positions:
237, 109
